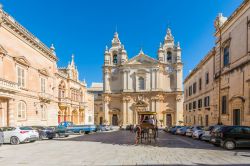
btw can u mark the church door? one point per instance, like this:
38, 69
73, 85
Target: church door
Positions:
169, 120
115, 120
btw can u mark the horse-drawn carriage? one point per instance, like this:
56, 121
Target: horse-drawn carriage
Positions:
146, 130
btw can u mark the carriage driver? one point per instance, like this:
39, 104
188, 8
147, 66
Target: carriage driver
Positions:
151, 120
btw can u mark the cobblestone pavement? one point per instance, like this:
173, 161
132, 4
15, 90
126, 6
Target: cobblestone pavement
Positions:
117, 148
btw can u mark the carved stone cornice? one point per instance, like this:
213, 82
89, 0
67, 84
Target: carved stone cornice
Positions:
179, 98
22, 60
3, 52
106, 98
11, 24
43, 72
126, 98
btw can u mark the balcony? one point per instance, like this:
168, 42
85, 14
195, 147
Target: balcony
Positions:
8, 86
63, 102
82, 105
45, 97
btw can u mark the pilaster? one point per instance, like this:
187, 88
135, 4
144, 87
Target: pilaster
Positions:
11, 116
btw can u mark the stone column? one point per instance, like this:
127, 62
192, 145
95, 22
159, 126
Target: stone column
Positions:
11, 117
124, 80
179, 109
106, 109
124, 113
106, 81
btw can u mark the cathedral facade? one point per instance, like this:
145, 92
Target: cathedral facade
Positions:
143, 83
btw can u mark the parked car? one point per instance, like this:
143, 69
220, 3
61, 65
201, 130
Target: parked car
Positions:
174, 129
45, 132
182, 130
16, 135
1, 137
81, 129
207, 132
61, 131
192, 129
167, 128
213, 138
198, 132
232, 137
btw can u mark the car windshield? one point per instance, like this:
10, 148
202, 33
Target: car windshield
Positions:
26, 128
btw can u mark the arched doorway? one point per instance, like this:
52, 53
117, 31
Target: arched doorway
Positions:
101, 121
114, 120
237, 109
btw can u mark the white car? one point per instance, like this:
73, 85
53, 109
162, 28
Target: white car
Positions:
16, 135
197, 134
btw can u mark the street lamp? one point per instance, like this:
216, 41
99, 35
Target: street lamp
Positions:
218, 23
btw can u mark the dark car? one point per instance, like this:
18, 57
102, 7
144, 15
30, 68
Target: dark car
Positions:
214, 139
44, 132
61, 131
234, 136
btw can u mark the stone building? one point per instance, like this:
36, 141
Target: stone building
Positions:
231, 70
143, 83
97, 90
30, 81
75, 104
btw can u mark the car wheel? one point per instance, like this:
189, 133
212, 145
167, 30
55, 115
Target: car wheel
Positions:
57, 135
66, 135
50, 137
14, 141
229, 145
81, 132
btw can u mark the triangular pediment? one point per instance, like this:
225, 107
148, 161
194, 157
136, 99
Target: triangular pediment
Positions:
142, 59
2, 50
44, 72
22, 60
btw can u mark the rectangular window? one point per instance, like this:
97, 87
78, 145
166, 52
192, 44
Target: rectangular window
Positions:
226, 56
224, 105
207, 78
194, 88
20, 77
207, 101
190, 90
200, 84
190, 106
200, 103
194, 105
42, 82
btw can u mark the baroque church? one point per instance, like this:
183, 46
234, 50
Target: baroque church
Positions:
143, 83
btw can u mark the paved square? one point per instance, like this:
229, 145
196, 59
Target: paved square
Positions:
117, 148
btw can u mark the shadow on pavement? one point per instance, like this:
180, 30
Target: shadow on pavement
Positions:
127, 138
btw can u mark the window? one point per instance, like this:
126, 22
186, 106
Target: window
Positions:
200, 84
43, 112
20, 77
226, 56
90, 118
42, 81
224, 105
207, 101
200, 103
207, 78
141, 83
169, 56
21, 110
194, 88
115, 59
186, 107
190, 106
194, 105
206, 120
190, 90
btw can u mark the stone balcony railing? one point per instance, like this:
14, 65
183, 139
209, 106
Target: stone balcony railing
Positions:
9, 86
46, 97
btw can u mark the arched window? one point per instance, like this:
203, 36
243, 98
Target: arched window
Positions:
226, 56
43, 112
141, 83
169, 56
21, 110
114, 59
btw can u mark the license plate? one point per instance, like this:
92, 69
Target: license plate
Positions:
213, 140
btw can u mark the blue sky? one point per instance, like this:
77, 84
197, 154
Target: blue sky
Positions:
85, 27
